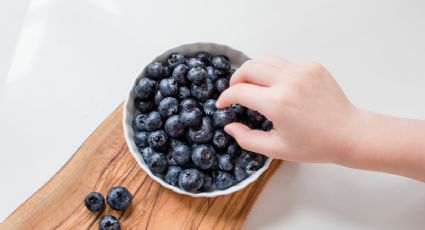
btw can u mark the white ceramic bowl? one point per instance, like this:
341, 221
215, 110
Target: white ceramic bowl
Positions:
236, 58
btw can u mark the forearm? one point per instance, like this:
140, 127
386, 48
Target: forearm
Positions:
387, 144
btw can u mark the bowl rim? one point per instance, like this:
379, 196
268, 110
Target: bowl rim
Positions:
129, 133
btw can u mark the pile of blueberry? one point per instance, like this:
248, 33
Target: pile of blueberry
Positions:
179, 130
118, 198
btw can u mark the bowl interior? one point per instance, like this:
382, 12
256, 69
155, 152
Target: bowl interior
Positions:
236, 58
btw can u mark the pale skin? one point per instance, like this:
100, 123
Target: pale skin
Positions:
315, 122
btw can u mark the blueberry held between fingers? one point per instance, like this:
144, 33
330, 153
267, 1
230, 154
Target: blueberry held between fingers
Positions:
197, 75
157, 163
202, 91
145, 88
174, 127
222, 117
190, 180
267, 125
156, 71
176, 59
220, 139
157, 139
169, 87
203, 156
201, 134
182, 154
141, 139
239, 109
168, 106
254, 116
119, 198
109, 223
152, 121
223, 180
172, 175
94, 202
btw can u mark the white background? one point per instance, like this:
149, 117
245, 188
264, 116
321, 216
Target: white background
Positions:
65, 65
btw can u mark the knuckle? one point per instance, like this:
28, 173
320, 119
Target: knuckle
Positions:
247, 64
315, 67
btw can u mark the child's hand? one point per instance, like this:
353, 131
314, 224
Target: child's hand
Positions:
311, 115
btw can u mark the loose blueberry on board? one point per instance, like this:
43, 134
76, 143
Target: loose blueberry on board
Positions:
109, 223
182, 154
157, 163
168, 106
94, 202
209, 107
156, 71
179, 130
145, 88
191, 180
203, 156
174, 127
119, 198
172, 175
197, 75
141, 139
201, 134
223, 180
176, 59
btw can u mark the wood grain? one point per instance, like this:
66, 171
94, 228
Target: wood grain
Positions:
104, 161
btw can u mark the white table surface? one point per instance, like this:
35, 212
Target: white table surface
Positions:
65, 65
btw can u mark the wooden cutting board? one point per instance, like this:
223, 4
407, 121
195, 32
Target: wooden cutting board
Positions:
104, 161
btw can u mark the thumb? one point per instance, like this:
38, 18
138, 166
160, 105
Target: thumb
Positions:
253, 140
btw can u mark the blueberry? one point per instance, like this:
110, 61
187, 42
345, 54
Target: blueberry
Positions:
170, 160
176, 59
188, 103
197, 75
180, 74
168, 106
174, 142
211, 73
139, 122
203, 156
250, 161
182, 154
201, 134
209, 107
145, 87
221, 65
223, 180
143, 105
254, 116
156, 71
233, 150
191, 116
174, 127
196, 62
224, 56
222, 117
202, 91
119, 198
157, 98
172, 175
220, 139
239, 109
109, 223
94, 202
190, 180
147, 153
167, 71
169, 87
208, 183
239, 173
157, 139
153, 121
184, 92
204, 57
141, 139
225, 162
267, 125
221, 84
157, 163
